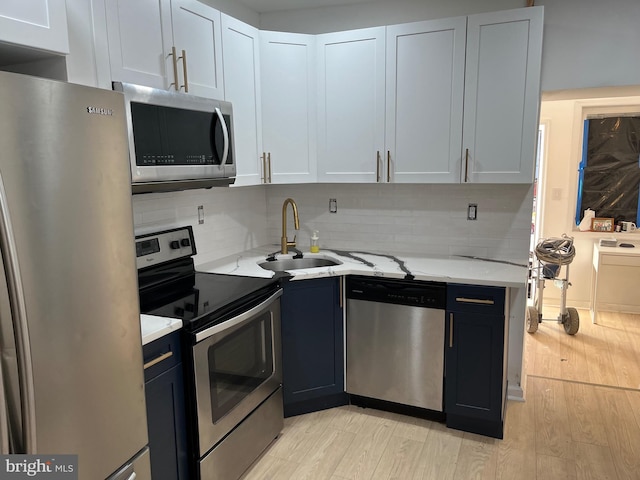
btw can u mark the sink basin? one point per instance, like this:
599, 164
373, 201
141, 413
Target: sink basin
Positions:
298, 263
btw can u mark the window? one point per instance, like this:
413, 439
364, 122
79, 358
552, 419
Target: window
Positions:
609, 173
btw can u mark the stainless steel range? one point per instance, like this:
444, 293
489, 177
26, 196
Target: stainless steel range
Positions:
233, 368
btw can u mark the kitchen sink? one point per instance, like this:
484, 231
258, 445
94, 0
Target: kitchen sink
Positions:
298, 263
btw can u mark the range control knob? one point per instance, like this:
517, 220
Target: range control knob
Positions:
185, 242
174, 244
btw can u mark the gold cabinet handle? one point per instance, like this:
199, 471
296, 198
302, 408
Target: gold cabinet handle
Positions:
388, 166
158, 359
451, 330
269, 164
475, 300
174, 60
466, 166
378, 166
184, 71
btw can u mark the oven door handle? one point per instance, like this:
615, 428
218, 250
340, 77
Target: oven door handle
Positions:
232, 322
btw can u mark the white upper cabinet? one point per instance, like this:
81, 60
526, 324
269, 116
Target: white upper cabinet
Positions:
288, 69
241, 54
446, 119
425, 86
502, 96
135, 31
39, 24
197, 35
351, 76
169, 44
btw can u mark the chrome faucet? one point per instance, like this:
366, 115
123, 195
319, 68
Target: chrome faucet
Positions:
284, 242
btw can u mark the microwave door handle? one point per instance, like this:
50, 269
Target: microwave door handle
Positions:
21, 329
225, 134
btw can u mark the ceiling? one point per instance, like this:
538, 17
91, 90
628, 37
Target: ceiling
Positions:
263, 6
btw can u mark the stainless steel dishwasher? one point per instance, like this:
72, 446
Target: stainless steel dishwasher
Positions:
395, 340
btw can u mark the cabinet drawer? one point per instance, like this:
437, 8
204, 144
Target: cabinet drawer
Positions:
161, 354
622, 260
472, 298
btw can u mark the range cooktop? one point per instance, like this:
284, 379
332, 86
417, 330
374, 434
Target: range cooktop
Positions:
169, 285
203, 294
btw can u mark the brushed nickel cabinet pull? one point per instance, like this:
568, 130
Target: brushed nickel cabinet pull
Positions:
269, 163
174, 60
158, 359
451, 330
264, 167
475, 300
466, 166
388, 166
378, 166
184, 71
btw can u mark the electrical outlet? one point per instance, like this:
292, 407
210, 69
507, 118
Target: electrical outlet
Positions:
333, 205
472, 211
200, 214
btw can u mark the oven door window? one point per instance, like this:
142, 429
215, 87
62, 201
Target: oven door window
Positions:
239, 363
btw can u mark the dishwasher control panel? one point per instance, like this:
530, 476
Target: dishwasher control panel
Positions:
397, 291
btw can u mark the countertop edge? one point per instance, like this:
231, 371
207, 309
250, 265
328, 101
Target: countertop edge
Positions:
153, 327
454, 269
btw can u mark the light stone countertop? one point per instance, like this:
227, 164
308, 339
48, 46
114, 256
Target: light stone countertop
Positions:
153, 327
453, 269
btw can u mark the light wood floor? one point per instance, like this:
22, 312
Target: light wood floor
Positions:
604, 354
569, 428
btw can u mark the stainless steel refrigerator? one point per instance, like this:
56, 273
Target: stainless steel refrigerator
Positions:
71, 350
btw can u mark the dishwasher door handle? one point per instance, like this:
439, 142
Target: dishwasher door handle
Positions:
451, 330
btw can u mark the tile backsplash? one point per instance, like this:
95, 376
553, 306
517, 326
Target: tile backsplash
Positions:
235, 218
402, 218
399, 218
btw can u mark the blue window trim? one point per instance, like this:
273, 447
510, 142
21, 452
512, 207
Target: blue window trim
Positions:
638, 215
581, 167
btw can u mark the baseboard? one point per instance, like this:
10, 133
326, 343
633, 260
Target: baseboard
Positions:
316, 404
515, 392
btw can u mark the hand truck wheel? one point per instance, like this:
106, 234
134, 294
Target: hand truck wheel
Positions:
571, 321
532, 320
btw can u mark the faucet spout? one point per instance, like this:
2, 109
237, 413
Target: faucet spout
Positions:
284, 242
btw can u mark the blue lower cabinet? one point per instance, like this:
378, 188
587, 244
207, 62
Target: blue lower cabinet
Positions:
164, 388
312, 346
475, 352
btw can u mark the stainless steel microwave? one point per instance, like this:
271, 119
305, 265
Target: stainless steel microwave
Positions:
177, 141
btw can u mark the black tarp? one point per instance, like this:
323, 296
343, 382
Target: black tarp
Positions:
610, 168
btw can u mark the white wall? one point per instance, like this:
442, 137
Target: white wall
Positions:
590, 43
564, 120
587, 43
236, 10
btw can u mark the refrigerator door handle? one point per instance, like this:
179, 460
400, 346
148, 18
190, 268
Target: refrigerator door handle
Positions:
4, 420
21, 329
